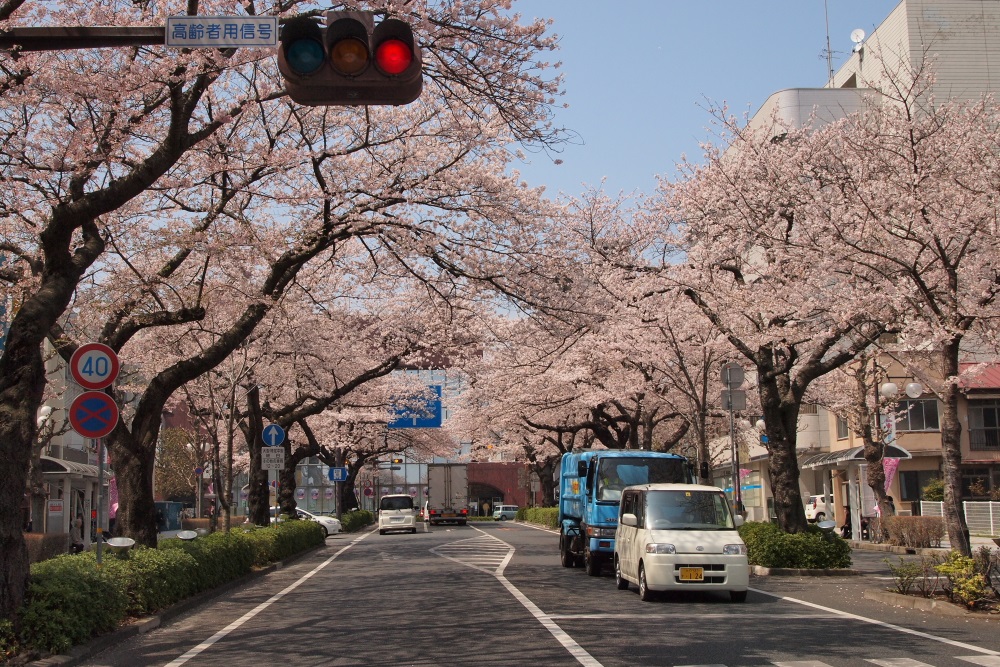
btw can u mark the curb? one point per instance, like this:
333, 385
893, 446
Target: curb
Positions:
762, 571
912, 602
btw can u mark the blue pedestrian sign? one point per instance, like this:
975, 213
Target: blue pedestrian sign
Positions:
274, 435
338, 474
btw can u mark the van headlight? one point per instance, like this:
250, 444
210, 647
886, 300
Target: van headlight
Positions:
735, 550
660, 549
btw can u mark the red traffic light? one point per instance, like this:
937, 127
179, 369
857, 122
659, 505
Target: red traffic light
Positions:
393, 56
332, 66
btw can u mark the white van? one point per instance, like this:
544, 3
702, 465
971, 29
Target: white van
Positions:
396, 512
504, 512
679, 537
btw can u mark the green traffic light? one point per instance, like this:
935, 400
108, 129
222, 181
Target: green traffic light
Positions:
305, 56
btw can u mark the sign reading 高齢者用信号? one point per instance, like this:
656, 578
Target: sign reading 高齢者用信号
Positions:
222, 31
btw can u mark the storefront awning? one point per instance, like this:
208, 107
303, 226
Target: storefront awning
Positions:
54, 466
852, 454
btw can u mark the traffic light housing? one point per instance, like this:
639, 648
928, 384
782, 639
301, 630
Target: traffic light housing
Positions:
397, 461
351, 61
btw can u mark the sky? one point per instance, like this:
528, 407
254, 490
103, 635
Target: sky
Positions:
638, 78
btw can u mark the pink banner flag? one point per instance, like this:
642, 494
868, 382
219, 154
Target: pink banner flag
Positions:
745, 472
889, 466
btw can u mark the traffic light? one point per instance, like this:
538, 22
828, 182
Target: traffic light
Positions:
397, 461
350, 62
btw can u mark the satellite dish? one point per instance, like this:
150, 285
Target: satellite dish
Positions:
857, 35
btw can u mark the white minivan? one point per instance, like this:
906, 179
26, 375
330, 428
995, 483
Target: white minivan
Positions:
679, 537
396, 512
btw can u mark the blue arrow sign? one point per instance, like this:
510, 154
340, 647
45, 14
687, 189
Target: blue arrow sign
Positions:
274, 435
338, 474
429, 415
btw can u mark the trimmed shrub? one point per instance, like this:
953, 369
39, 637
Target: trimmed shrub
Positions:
220, 557
69, 600
769, 546
152, 578
356, 520
543, 516
918, 532
43, 546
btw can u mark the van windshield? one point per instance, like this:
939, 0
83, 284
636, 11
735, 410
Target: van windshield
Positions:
396, 503
697, 510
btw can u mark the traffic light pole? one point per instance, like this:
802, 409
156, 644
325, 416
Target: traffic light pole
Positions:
81, 37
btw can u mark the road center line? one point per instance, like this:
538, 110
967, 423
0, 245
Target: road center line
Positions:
261, 607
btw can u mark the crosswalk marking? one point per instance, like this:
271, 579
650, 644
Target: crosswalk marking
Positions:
898, 662
981, 660
483, 552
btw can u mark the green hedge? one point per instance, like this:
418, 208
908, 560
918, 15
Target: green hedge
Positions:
543, 516
769, 546
356, 520
70, 599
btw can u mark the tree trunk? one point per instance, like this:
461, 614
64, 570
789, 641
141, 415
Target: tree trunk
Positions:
781, 415
132, 460
951, 439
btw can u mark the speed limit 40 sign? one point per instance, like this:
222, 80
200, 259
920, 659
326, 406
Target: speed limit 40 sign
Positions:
94, 366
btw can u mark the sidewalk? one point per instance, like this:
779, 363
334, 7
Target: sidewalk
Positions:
975, 540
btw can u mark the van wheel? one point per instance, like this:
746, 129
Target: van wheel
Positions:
738, 596
821, 516
503, 518
620, 581
381, 532
413, 531
645, 594
592, 562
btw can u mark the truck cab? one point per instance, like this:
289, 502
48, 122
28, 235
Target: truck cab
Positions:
590, 488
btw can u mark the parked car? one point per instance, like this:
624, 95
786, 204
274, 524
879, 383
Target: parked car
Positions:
396, 512
330, 524
504, 512
816, 508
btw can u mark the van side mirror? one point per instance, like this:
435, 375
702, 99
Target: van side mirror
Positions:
704, 469
629, 519
581, 469
738, 520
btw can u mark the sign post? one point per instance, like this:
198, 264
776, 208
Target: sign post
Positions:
94, 414
734, 398
272, 457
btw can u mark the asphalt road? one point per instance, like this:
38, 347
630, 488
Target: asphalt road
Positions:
495, 594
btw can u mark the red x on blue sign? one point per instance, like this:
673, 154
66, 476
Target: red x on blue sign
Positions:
93, 414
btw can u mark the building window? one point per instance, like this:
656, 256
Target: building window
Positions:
917, 415
912, 483
808, 409
976, 483
842, 428
984, 425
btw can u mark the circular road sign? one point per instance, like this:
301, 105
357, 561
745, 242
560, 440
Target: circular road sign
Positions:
93, 414
94, 366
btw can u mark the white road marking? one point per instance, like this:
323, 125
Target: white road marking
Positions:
898, 628
259, 608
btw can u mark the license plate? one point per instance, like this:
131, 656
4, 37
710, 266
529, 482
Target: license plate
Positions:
448, 514
692, 574
397, 519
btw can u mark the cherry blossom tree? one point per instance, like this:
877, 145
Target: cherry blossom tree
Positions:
90, 155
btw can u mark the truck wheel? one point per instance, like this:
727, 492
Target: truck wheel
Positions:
592, 562
738, 596
620, 581
645, 594
565, 557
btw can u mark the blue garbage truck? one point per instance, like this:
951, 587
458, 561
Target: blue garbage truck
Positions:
590, 489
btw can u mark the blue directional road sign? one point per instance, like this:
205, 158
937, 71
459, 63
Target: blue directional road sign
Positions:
338, 474
428, 416
273, 435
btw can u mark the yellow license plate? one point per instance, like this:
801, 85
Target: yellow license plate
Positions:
692, 574
448, 514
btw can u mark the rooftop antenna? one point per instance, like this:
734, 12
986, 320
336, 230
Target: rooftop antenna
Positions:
829, 52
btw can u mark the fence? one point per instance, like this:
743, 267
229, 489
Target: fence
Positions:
982, 517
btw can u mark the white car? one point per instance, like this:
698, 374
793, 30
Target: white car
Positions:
396, 512
679, 537
330, 524
818, 506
